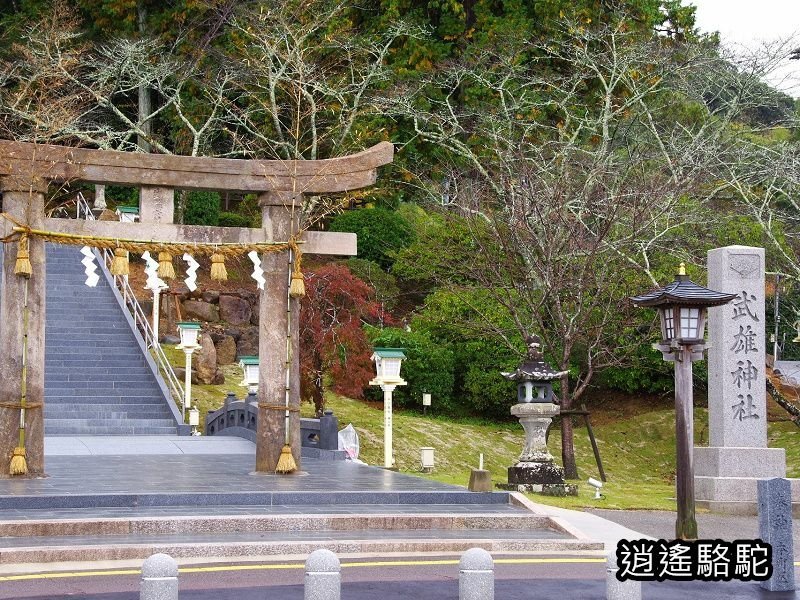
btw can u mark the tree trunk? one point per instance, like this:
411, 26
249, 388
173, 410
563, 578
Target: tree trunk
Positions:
567, 438
145, 100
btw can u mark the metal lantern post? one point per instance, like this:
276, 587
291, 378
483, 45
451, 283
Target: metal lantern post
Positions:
387, 375
682, 307
189, 333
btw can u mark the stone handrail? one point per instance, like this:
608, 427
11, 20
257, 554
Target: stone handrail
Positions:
319, 437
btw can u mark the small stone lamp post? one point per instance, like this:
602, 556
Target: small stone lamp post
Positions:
387, 375
128, 214
682, 307
536, 470
249, 365
189, 333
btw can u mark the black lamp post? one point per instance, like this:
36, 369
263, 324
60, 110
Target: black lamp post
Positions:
682, 307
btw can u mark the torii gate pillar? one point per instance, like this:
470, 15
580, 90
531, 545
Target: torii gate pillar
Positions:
280, 212
23, 200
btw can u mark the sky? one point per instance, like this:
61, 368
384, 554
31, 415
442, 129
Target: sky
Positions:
751, 22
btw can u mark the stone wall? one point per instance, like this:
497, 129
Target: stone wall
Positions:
229, 318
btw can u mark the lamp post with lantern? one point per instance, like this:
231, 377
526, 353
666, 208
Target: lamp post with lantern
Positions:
682, 307
387, 375
249, 366
189, 333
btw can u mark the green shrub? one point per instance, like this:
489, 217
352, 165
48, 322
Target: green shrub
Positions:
202, 208
381, 233
428, 368
384, 284
231, 219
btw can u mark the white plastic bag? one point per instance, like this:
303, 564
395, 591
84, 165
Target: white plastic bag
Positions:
348, 441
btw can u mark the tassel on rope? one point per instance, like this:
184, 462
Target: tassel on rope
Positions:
165, 268
119, 266
286, 463
297, 287
218, 270
19, 466
23, 265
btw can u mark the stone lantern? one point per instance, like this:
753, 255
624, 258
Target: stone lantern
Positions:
536, 469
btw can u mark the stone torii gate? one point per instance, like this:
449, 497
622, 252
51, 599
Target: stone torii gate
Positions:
26, 171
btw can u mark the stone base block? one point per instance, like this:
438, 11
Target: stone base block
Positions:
539, 473
546, 489
736, 495
758, 463
480, 480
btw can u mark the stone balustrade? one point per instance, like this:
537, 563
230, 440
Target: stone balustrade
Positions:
319, 437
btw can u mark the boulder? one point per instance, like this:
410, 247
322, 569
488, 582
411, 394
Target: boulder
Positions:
211, 296
219, 378
233, 310
172, 340
248, 343
205, 360
256, 310
226, 350
198, 309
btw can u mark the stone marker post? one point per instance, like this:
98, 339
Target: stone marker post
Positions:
159, 578
616, 589
323, 579
775, 528
476, 575
737, 456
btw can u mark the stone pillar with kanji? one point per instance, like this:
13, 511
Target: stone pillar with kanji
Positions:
727, 471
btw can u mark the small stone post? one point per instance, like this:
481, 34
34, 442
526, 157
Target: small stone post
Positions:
323, 580
328, 431
159, 578
476, 575
775, 528
616, 589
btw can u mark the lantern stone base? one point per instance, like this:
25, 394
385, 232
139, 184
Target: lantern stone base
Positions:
535, 473
545, 478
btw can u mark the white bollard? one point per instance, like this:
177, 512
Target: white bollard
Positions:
159, 578
323, 580
616, 589
476, 575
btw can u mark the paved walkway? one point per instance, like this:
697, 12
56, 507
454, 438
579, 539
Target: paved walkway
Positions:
144, 445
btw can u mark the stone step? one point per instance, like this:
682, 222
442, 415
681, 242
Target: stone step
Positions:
100, 422
104, 390
91, 378
53, 369
127, 398
108, 430
414, 528
83, 412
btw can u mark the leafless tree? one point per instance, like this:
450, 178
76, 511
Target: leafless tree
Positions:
580, 183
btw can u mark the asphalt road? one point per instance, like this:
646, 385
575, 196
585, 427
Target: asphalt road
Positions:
418, 578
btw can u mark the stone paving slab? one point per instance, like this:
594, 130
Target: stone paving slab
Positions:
27, 514
84, 481
111, 445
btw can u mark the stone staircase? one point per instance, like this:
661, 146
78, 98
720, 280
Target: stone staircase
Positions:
97, 380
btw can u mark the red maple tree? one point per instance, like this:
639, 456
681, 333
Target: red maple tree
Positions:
333, 345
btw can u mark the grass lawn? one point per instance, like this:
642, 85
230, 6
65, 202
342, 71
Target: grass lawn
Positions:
636, 442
